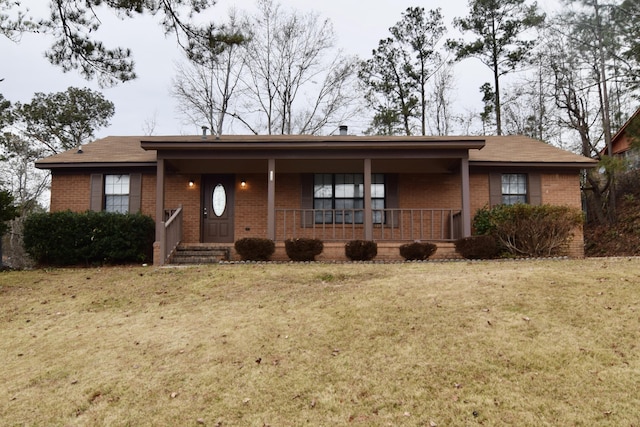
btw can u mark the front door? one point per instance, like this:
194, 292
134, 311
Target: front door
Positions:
217, 208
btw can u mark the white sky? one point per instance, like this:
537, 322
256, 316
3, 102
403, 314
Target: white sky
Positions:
358, 24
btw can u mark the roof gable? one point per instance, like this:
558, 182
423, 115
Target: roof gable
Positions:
620, 142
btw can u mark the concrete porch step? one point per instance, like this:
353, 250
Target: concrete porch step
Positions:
200, 254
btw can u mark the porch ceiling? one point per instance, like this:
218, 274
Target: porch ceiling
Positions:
229, 166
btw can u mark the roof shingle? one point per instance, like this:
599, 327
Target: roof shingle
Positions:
497, 149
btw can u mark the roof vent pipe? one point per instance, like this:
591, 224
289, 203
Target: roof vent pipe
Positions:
344, 130
204, 132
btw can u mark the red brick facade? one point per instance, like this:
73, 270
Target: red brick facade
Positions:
415, 191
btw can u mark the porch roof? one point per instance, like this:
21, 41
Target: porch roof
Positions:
140, 151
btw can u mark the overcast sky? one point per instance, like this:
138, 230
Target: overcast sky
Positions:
359, 25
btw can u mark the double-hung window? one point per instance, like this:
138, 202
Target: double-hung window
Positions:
116, 193
339, 198
514, 188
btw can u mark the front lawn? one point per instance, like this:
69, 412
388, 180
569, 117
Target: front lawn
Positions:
526, 343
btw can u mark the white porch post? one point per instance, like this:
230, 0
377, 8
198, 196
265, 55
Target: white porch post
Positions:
271, 200
368, 213
466, 199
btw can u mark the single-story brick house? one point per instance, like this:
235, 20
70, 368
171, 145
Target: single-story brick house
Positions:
207, 190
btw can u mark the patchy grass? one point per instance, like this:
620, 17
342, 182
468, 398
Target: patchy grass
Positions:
525, 343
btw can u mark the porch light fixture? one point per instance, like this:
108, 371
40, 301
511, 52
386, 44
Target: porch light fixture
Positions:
192, 183
243, 183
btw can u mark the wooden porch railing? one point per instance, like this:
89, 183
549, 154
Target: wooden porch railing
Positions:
172, 232
388, 224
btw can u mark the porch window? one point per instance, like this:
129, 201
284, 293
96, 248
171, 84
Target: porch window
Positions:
116, 193
340, 198
514, 188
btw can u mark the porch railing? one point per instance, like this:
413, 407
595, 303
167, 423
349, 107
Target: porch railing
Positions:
172, 227
388, 224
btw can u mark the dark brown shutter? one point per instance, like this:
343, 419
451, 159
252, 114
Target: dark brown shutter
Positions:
306, 202
135, 192
495, 189
392, 198
96, 192
535, 189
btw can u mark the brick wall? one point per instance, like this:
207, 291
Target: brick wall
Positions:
416, 191
148, 202
432, 191
251, 205
564, 189
178, 192
70, 192
478, 191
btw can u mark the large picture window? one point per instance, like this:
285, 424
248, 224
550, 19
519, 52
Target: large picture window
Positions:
339, 198
514, 188
116, 193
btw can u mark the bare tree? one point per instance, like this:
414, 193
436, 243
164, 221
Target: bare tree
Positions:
529, 106
150, 123
205, 86
296, 82
26, 184
580, 112
439, 108
589, 40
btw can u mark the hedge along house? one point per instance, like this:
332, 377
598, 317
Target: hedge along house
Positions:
212, 191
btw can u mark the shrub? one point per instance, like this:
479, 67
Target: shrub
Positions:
361, 250
255, 248
417, 251
528, 230
477, 247
303, 249
71, 238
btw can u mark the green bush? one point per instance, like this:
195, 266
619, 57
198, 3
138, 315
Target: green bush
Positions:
255, 248
303, 249
71, 238
361, 250
417, 251
477, 247
482, 221
526, 230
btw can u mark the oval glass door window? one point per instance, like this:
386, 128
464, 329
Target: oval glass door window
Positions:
219, 200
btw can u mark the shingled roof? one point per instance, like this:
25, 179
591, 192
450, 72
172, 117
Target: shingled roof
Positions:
483, 150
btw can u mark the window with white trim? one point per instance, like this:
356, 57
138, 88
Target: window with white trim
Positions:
339, 198
116, 193
514, 188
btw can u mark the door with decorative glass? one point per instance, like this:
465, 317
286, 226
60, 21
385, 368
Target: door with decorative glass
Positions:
217, 208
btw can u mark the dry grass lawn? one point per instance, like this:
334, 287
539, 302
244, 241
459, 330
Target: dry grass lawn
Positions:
529, 343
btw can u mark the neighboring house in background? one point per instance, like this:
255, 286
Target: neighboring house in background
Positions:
206, 190
621, 144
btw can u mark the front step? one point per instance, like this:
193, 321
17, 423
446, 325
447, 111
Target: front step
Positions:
200, 254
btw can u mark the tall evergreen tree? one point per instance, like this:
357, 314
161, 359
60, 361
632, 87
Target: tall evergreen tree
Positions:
500, 27
64, 120
74, 25
397, 74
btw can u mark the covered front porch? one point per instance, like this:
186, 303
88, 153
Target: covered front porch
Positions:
334, 189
